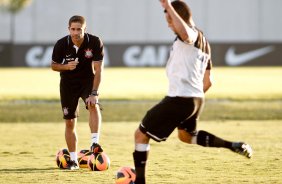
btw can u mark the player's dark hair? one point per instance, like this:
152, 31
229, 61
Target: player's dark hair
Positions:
77, 18
182, 9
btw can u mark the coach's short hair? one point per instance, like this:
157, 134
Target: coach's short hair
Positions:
182, 9
77, 18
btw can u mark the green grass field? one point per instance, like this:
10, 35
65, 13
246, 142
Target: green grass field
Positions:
29, 157
144, 83
244, 104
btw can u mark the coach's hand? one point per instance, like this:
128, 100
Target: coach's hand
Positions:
72, 65
92, 100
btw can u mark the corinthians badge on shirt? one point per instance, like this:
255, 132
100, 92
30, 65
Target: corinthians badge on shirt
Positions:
88, 53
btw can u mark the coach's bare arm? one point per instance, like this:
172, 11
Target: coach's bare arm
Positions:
63, 67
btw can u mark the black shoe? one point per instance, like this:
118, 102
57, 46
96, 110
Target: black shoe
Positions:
72, 165
96, 148
243, 149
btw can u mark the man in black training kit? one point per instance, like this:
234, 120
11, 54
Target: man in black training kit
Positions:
188, 72
79, 59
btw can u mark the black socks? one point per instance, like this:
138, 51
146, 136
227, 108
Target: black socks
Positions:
208, 140
140, 158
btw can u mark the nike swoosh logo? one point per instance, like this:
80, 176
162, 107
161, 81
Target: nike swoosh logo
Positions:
234, 59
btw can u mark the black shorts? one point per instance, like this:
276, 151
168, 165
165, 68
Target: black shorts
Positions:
70, 92
161, 120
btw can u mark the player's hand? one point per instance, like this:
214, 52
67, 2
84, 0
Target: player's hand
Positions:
92, 100
72, 64
164, 3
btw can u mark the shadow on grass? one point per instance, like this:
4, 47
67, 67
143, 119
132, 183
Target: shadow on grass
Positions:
28, 170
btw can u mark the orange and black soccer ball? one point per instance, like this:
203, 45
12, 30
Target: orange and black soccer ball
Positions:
82, 158
62, 158
98, 162
125, 175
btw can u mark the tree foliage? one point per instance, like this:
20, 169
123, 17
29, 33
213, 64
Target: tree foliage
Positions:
14, 6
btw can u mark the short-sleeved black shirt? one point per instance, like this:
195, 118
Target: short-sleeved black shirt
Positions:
91, 49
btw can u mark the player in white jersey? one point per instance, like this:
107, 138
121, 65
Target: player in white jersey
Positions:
188, 71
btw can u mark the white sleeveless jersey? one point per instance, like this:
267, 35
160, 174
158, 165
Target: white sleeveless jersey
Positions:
186, 67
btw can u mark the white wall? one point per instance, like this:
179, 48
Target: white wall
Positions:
125, 21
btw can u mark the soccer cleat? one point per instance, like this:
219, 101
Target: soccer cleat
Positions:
72, 165
96, 148
243, 149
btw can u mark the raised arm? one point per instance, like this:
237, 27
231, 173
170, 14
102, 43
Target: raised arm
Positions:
183, 28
